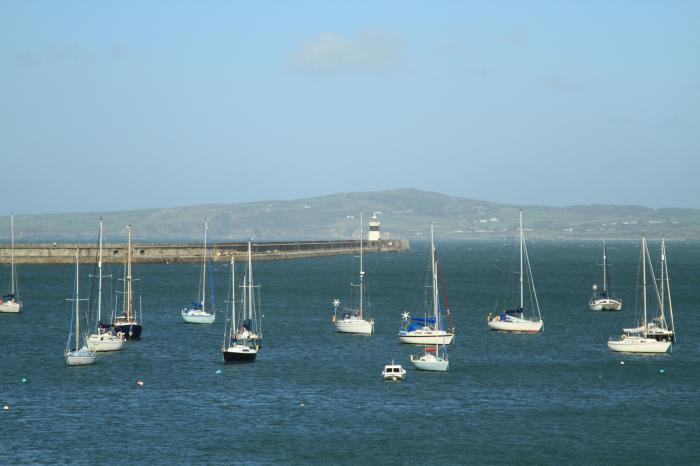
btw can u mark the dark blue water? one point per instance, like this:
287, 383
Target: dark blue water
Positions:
314, 396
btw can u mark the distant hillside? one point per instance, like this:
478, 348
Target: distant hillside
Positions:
404, 213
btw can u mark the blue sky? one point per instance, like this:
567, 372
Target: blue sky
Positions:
122, 105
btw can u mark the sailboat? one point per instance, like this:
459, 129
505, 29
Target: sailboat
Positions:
432, 359
660, 327
243, 333
354, 321
515, 319
127, 323
104, 338
75, 354
604, 300
10, 302
427, 330
197, 313
638, 340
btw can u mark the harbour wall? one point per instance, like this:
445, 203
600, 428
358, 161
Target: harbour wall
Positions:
64, 253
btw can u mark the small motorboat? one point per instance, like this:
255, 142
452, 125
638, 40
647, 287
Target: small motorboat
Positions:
394, 372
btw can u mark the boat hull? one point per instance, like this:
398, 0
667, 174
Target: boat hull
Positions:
100, 343
357, 326
80, 358
518, 326
431, 364
11, 307
198, 318
131, 331
605, 305
639, 345
425, 338
239, 354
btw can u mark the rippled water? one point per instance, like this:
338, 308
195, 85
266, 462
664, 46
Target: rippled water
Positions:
315, 396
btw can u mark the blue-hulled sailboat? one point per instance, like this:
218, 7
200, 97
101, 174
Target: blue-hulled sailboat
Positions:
127, 322
243, 332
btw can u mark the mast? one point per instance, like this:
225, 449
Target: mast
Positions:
233, 298
12, 255
668, 284
99, 275
662, 297
362, 270
644, 286
522, 239
129, 301
250, 282
204, 265
77, 297
605, 268
435, 284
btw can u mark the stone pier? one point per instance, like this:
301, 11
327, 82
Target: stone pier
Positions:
64, 253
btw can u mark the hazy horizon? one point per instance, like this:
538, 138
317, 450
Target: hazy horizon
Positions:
126, 106
107, 212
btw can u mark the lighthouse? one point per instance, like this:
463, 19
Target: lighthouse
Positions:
373, 234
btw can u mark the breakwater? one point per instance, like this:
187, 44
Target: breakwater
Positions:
64, 253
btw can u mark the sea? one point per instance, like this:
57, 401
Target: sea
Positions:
317, 397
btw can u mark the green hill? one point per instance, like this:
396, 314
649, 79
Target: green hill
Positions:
404, 213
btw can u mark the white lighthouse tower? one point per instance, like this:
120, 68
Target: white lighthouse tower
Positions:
373, 234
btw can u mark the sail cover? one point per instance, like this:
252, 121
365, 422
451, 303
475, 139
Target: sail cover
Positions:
420, 322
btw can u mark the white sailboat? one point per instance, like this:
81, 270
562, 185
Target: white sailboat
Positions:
243, 334
638, 340
196, 313
516, 320
127, 323
10, 302
427, 330
432, 359
604, 300
104, 338
354, 321
659, 327
76, 352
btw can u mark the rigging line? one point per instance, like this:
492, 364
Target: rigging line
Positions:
637, 313
72, 314
91, 294
656, 288
531, 280
211, 284
427, 279
668, 286
511, 284
443, 294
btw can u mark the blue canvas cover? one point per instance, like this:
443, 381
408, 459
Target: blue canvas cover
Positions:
419, 322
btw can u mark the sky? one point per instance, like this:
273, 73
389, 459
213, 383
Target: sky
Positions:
128, 104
